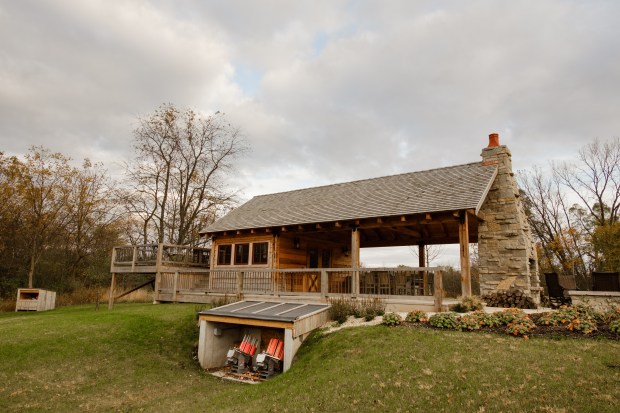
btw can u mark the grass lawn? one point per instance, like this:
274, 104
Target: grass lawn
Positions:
138, 357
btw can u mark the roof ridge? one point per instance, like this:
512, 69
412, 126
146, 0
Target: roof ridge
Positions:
367, 179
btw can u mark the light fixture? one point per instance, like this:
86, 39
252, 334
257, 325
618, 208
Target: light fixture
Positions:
345, 251
296, 243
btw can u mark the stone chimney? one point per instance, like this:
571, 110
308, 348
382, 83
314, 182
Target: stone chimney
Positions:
507, 253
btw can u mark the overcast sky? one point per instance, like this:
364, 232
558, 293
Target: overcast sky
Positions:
324, 91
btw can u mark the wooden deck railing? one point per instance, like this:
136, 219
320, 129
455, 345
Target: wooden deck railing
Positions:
321, 283
158, 255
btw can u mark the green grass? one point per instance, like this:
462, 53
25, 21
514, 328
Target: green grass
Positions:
139, 358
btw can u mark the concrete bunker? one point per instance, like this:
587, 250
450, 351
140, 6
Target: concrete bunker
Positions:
223, 328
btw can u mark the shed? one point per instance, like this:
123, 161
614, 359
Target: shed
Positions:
222, 327
35, 299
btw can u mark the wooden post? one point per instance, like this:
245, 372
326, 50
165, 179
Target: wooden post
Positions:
465, 264
156, 288
422, 263
438, 283
112, 290
133, 258
175, 283
160, 254
324, 284
355, 260
239, 285
113, 259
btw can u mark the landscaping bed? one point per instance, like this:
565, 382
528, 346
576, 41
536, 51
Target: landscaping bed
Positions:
541, 330
571, 322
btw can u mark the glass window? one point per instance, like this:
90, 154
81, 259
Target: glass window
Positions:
223, 254
259, 252
242, 254
326, 259
313, 258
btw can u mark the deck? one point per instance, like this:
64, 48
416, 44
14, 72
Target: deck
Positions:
181, 274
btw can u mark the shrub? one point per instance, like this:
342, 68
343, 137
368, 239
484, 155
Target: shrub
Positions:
416, 316
520, 326
509, 315
392, 319
610, 315
614, 326
467, 304
444, 320
220, 301
578, 318
486, 319
468, 322
341, 309
366, 308
369, 308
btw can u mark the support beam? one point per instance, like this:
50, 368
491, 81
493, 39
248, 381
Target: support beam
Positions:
464, 253
438, 285
355, 261
112, 290
422, 263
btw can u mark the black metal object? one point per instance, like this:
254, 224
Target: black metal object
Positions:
605, 281
556, 291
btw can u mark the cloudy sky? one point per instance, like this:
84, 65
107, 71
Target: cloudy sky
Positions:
324, 91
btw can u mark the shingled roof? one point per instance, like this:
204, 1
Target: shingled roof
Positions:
444, 189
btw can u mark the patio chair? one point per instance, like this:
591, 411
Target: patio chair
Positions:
402, 285
605, 281
368, 283
385, 283
555, 291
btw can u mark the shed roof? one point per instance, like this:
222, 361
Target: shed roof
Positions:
267, 310
444, 189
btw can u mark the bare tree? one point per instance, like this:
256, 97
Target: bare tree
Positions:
431, 253
595, 179
555, 224
178, 178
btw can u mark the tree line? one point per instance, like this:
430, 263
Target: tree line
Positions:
573, 210
59, 222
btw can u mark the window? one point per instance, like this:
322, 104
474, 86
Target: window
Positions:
326, 259
259, 252
242, 254
313, 258
223, 254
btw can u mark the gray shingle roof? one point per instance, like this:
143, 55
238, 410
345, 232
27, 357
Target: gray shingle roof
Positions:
444, 189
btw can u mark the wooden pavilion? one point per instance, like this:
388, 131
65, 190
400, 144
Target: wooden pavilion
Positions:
306, 243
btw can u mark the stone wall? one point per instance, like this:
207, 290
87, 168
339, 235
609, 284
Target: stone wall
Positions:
599, 300
507, 253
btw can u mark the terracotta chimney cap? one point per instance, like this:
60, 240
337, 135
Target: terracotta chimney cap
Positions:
493, 140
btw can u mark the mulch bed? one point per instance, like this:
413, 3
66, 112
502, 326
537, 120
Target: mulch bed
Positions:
541, 330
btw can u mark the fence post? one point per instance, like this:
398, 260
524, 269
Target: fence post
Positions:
275, 278
112, 290
174, 286
239, 285
133, 258
113, 259
438, 285
156, 288
324, 284
160, 254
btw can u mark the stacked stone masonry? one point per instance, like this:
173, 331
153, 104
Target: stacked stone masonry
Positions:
507, 253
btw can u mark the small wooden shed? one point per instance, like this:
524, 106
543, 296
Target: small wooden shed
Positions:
222, 327
35, 299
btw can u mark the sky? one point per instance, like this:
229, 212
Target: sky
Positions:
323, 91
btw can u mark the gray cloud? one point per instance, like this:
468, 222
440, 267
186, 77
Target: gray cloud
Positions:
323, 91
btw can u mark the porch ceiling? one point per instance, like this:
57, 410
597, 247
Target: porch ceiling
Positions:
427, 229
